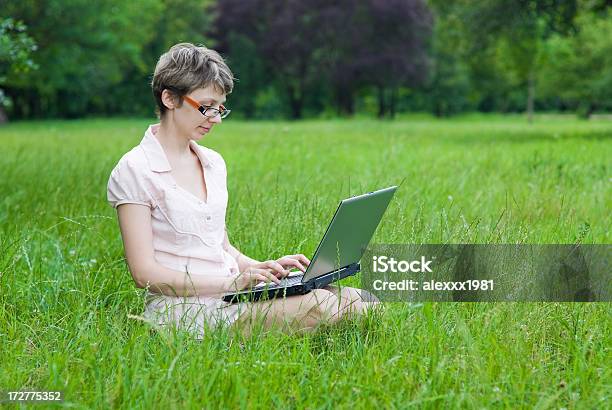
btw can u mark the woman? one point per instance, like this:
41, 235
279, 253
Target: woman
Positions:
171, 197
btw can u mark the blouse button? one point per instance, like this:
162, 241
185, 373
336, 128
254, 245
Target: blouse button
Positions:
208, 217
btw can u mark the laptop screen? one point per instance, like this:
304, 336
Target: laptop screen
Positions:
349, 232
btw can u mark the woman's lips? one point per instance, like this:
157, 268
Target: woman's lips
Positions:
204, 129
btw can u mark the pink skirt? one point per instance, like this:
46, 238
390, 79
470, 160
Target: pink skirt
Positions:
195, 314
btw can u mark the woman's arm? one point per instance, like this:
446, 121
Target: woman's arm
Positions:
137, 235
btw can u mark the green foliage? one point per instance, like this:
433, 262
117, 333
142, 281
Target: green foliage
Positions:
447, 91
501, 42
84, 48
493, 55
577, 69
16, 49
98, 56
248, 68
181, 21
173, 21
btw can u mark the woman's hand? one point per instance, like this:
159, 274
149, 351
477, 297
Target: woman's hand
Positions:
268, 271
297, 261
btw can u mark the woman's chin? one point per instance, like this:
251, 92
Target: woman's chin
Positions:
197, 135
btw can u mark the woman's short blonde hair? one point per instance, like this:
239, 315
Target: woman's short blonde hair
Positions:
186, 67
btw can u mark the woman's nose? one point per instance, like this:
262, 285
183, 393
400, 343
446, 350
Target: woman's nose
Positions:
216, 119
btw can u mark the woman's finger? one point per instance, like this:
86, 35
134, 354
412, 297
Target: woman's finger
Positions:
256, 278
275, 266
300, 257
292, 262
303, 259
268, 276
281, 275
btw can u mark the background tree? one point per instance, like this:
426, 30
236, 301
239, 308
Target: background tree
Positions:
577, 69
84, 50
347, 45
16, 48
285, 34
97, 57
171, 22
515, 30
394, 50
317, 58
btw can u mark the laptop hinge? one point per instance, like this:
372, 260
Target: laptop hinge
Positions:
324, 280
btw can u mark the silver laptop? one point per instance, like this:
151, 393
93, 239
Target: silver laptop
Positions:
338, 253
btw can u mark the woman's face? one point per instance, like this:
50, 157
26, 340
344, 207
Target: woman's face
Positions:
188, 120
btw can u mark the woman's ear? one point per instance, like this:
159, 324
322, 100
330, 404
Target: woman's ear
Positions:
168, 99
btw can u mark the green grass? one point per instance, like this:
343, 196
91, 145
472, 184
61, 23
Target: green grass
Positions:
68, 305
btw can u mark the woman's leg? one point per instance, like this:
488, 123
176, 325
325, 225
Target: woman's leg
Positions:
300, 313
354, 300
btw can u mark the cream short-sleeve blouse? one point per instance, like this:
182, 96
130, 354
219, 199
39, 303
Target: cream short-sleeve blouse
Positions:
188, 233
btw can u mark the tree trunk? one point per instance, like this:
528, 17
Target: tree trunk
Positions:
530, 95
3, 117
590, 111
393, 102
381, 102
345, 101
295, 102
349, 102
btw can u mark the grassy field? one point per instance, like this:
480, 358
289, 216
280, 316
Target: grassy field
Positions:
68, 307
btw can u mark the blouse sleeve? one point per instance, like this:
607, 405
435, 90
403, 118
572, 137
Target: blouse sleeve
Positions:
125, 186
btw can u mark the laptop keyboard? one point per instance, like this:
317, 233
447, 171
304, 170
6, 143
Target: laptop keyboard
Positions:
288, 281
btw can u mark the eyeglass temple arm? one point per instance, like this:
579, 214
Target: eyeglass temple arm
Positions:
202, 108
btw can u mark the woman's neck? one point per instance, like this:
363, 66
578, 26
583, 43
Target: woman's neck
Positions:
175, 146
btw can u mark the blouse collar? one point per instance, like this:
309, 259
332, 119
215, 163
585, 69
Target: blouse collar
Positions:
158, 161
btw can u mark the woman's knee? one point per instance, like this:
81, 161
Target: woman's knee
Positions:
354, 300
320, 305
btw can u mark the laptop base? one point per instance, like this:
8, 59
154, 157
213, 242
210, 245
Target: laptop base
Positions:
271, 292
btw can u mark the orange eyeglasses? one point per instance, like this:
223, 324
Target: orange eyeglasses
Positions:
207, 110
